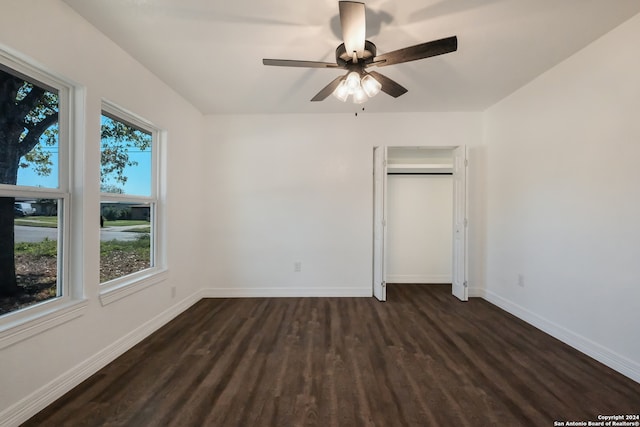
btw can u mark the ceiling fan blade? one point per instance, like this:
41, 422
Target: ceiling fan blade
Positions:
420, 51
354, 25
388, 86
295, 63
327, 90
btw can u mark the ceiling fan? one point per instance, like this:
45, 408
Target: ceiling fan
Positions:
357, 55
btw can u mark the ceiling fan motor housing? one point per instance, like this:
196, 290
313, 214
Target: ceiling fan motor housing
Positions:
343, 58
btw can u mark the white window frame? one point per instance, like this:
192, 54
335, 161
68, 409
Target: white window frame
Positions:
34, 319
124, 286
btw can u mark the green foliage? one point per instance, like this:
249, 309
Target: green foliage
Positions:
111, 213
140, 246
118, 139
38, 221
49, 208
39, 159
45, 107
146, 230
46, 247
29, 125
125, 223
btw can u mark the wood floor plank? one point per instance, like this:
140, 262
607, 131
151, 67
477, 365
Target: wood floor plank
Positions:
421, 359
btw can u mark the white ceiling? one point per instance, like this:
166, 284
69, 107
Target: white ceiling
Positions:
211, 51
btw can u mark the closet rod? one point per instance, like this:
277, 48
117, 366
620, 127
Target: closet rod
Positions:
419, 173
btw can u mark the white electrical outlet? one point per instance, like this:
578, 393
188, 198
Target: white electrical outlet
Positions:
521, 280
297, 266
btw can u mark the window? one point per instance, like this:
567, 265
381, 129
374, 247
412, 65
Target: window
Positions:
129, 249
34, 191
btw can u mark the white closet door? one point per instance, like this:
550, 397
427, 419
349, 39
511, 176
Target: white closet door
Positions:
379, 221
459, 288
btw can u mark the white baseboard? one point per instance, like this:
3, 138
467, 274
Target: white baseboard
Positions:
603, 355
418, 278
24, 409
286, 292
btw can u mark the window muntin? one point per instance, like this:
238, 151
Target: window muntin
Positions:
34, 177
128, 201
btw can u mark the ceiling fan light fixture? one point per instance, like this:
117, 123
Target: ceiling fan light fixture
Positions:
342, 91
359, 96
353, 81
370, 85
357, 54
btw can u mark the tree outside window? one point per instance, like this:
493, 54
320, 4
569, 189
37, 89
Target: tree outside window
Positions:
30, 192
35, 173
128, 195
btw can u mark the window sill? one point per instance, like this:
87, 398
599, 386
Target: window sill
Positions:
41, 320
117, 289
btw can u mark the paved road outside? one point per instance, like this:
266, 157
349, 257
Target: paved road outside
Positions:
25, 233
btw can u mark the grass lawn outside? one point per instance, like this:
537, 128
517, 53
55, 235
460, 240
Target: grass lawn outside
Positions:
52, 221
36, 268
125, 222
119, 258
140, 230
38, 221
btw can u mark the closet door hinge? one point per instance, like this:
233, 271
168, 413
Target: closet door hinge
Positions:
466, 162
466, 223
465, 284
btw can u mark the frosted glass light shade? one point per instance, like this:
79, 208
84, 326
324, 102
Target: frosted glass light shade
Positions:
353, 81
342, 91
371, 86
359, 95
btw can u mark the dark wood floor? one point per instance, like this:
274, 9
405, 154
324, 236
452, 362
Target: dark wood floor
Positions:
420, 359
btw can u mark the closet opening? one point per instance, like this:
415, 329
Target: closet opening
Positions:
419, 220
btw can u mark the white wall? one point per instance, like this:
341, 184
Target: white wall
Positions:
34, 370
419, 228
563, 205
300, 188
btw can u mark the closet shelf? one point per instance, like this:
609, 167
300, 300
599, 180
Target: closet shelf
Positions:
419, 167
